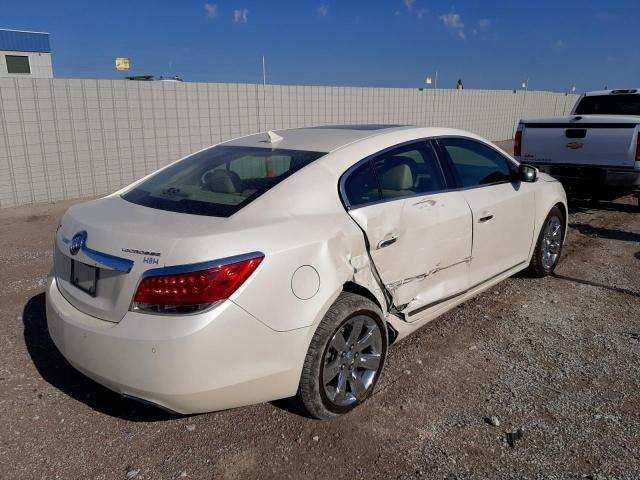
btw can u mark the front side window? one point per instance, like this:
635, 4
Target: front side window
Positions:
17, 64
219, 181
477, 164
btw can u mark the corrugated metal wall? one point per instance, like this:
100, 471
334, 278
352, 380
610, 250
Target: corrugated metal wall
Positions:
65, 138
19, 41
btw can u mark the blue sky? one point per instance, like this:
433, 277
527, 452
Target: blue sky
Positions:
489, 44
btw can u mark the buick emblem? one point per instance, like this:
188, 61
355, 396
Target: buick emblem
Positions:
77, 242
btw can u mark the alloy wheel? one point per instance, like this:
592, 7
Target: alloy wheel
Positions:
551, 242
352, 361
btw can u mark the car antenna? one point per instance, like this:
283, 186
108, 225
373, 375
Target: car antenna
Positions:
273, 137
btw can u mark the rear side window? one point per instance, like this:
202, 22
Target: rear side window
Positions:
412, 169
362, 186
619, 104
409, 170
475, 163
219, 181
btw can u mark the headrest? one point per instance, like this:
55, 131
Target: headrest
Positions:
397, 174
222, 181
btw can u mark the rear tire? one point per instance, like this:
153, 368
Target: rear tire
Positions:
345, 358
549, 245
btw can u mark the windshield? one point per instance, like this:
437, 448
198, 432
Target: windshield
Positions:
218, 181
626, 104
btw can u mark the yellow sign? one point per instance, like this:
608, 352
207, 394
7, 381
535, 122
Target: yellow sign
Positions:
122, 63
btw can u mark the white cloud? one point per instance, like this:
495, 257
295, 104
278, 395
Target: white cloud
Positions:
410, 6
323, 10
484, 23
453, 22
558, 44
211, 11
240, 16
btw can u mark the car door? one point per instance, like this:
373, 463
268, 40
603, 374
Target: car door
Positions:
419, 233
502, 207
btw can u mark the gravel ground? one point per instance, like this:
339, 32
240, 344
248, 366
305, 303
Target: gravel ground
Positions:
533, 379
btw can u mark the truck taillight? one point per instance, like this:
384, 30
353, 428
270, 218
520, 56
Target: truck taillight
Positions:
517, 144
190, 292
638, 148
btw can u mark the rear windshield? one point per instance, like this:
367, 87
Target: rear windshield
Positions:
624, 104
218, 181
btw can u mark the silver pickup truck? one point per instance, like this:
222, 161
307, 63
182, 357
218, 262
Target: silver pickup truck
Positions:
595, 151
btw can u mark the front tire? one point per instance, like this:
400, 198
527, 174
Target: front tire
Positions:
345, 358
549, 245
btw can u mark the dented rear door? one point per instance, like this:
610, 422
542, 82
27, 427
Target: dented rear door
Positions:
421, 246
419, 234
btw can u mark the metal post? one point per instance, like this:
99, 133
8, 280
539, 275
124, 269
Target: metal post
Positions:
264, 93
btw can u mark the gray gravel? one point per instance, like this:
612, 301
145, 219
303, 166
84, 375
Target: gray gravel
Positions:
555, 360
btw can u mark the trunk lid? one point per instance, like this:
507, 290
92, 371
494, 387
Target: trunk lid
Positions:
588, 140
122, 240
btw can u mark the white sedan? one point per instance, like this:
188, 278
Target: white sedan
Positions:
286, 263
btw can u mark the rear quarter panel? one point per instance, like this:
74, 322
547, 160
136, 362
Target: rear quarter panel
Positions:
302, 222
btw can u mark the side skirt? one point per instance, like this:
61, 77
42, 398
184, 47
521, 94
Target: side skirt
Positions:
459, 294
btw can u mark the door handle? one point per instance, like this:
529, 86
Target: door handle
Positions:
485, 219
387, 242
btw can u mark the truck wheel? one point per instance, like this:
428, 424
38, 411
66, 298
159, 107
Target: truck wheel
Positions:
345, 357
549, 246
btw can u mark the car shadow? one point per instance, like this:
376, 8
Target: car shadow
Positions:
54, 369
607, 233
596, 284
588, 206
291, 405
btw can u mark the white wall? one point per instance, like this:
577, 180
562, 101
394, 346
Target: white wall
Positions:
65, 138
40, 64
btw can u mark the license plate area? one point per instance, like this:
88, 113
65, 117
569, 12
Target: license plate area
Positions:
84, 277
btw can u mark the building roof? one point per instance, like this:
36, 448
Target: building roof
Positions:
24, 41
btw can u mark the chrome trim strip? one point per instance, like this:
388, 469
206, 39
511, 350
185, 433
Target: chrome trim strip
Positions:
194, 267
101, 259
348, 171
451, 297
106, 260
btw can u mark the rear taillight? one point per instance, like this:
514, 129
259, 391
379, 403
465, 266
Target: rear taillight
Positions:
638, 148
192, 291
517, 144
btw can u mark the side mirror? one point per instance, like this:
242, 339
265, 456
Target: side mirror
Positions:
527, 173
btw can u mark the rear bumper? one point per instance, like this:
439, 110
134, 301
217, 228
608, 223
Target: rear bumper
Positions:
587, 176
216, 360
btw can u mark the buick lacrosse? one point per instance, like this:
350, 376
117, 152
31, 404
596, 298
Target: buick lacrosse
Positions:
286, 263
